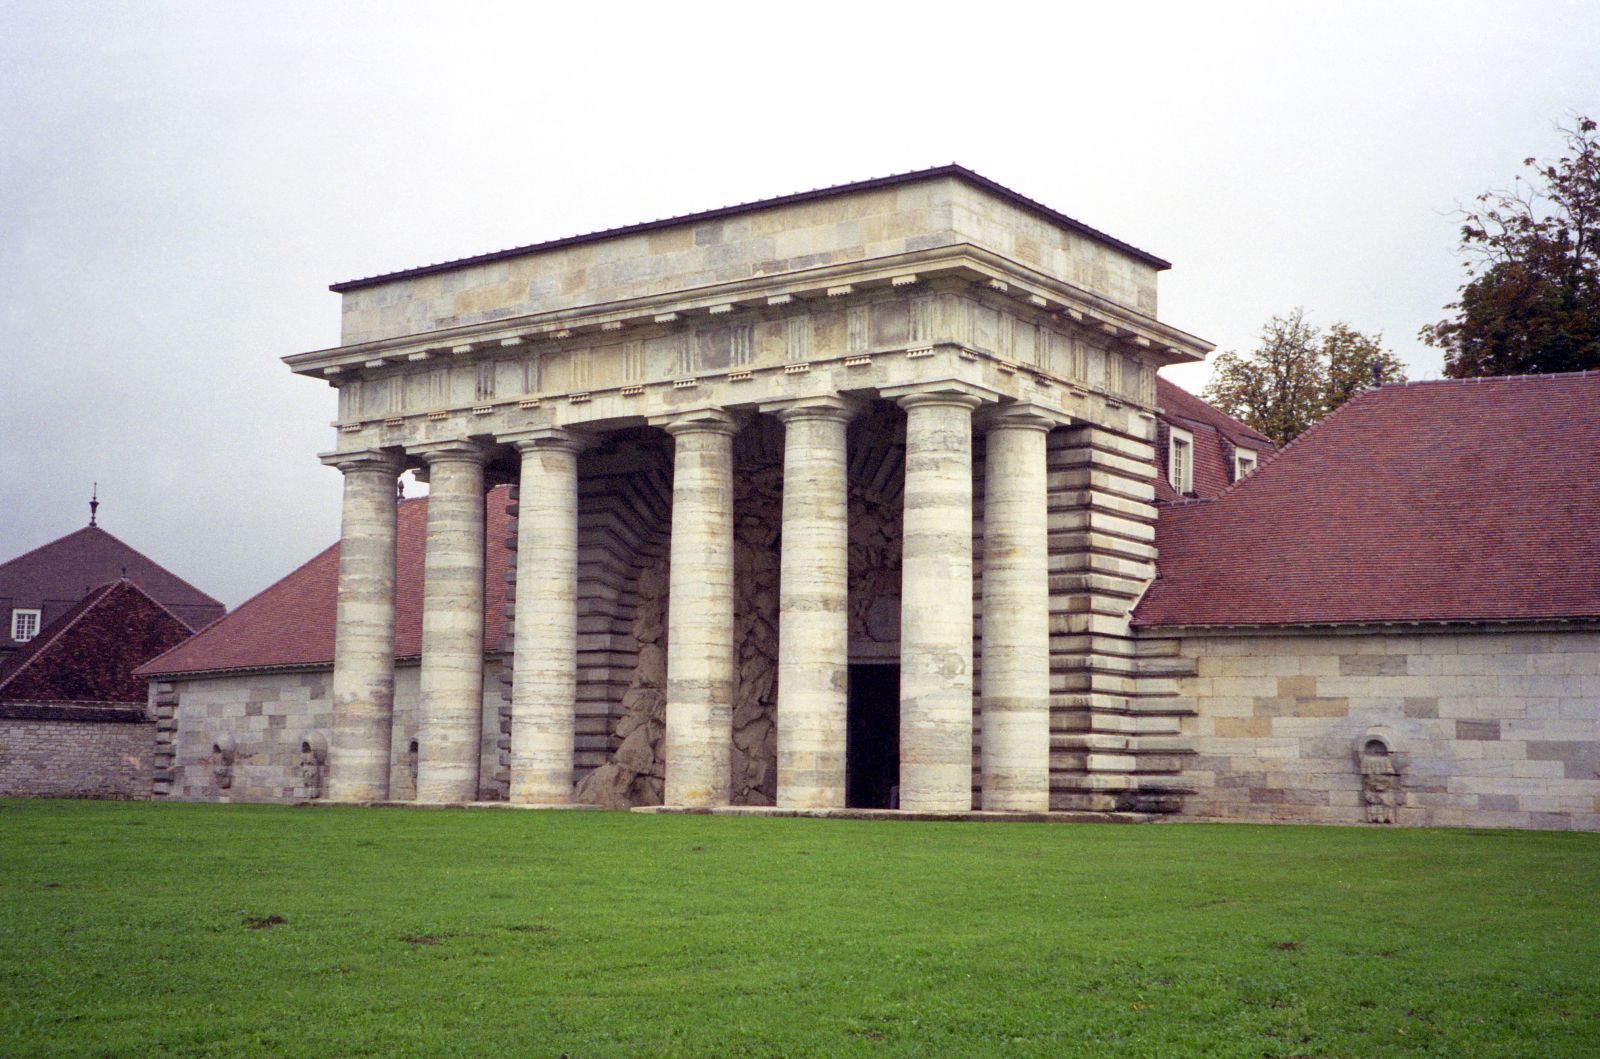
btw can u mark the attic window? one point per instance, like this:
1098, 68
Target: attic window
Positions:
1244, 462
1180, 461
24, 625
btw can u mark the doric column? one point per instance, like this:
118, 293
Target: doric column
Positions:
450, 732
700, 649
544, 682
1015, 702
813, 624
936, 604
363, 644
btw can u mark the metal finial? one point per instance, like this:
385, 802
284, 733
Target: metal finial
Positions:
94, 503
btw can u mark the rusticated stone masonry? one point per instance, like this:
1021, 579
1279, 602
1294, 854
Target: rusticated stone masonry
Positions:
636, 771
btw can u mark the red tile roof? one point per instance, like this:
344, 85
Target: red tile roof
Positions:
1216, 436
56, 575
1437, 501
89, 654
291, 623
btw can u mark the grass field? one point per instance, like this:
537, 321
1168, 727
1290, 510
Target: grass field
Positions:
223, 930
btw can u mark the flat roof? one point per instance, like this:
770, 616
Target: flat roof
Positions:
959, 172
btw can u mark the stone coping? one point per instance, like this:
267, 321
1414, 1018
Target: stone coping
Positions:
94, 712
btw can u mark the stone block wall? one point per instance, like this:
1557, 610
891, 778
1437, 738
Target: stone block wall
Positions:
1116, 743
48, 752
259, 720
1488, 728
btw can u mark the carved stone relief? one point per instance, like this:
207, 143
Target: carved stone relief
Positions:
1380, 766
312, 765
636, 773
758, 518
223, 752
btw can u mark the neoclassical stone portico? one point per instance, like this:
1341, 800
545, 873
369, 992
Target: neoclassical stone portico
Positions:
1009, 351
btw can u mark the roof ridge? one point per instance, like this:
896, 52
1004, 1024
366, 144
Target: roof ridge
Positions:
1495, 378
1280, 452
205, 598
241, 607
1242, 426
873, 183
52, 633
58, 540
165, 609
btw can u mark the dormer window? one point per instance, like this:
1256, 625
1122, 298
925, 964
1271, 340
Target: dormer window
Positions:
1244, 462
1180, 461
24, 625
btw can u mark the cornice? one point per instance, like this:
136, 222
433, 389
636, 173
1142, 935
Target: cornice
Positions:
993, 275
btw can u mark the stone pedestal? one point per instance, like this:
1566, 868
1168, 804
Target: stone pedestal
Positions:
450, 731
936, 604
700, 649
363, 652
1015, 704
813, 623
544, 684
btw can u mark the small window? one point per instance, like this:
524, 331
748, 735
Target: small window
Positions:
1244, 462
24, 625
1180, 461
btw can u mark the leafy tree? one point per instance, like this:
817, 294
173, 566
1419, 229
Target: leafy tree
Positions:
1278, 388
1355, 362
1298, 374
1532, 302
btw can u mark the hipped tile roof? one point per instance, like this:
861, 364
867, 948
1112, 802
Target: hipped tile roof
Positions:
1216, 437
66, 569
1473, 500
90, 653
291, 623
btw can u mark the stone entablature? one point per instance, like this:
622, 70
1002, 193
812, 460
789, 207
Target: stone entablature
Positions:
886, 328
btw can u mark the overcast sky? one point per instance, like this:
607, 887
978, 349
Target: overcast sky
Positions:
179, 183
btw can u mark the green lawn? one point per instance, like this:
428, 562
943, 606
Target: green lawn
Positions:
138, 928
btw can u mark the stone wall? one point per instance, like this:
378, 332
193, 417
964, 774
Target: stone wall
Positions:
1477, 728
240, 737
1115, 719
46, 752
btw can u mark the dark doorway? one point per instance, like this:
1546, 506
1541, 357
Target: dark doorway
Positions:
872, 740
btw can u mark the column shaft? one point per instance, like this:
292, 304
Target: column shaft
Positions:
813, 624
1015, 711
936, 605
544, 682
363, 652
450, 735
700, 650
